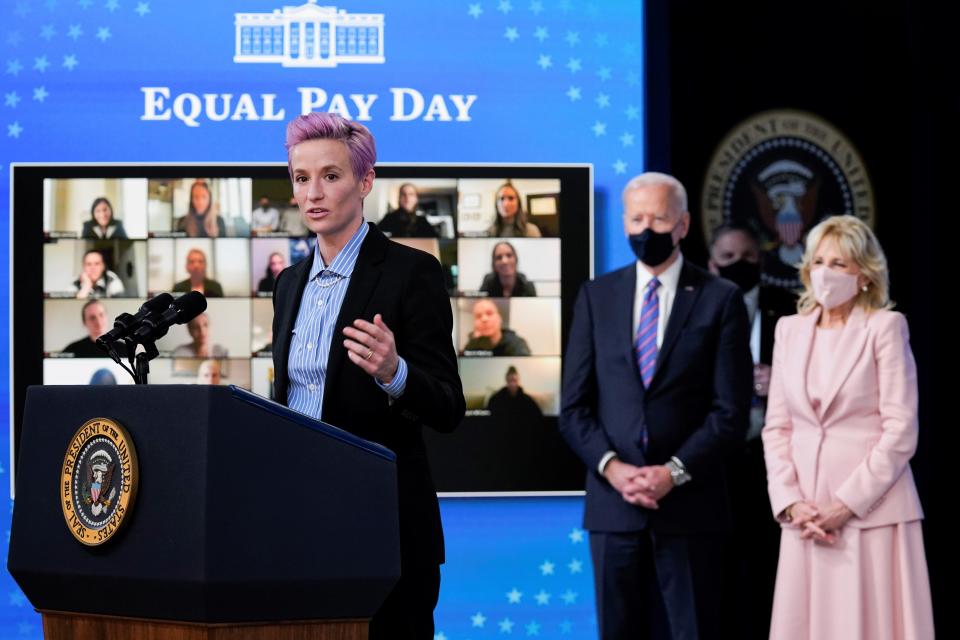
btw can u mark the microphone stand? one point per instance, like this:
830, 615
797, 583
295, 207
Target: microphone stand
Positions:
131, 348
141, 362
152, 326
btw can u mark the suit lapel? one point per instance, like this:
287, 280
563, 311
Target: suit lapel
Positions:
688, 290
852, 341
801, 344
287, 313
363, 282
622, 315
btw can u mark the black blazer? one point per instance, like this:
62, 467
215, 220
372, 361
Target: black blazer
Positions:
405, 286
697, 406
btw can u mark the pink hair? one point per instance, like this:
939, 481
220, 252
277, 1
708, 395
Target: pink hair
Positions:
330, 126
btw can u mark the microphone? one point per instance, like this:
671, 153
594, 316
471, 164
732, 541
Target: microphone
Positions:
184, 309
125, 324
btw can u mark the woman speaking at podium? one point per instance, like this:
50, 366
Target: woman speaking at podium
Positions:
362, 340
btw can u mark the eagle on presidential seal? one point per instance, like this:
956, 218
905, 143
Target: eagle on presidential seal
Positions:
97, 491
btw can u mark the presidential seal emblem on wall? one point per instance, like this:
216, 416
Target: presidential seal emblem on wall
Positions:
98, 481
781, 172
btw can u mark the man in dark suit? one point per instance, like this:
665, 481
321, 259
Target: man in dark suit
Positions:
735, 256
752, 562
362, 339
656, 392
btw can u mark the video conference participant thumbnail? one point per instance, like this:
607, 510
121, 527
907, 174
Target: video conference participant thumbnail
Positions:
512, 387
276, 262
504, 280
94, 269
95, 321
95, 208
200, 207
84, 371
509, 326
261, 329
512, 401
489, 335
413, 208
279, 198
509, 442
514, 268
213, 371
215, 268
266, 217
496, 385
444, 250
102, 223
197, 280
96, 278
222, 331
291, 222
526, 208
71, 327
511, 219
270, 256
261, 377
201, 344
406, 221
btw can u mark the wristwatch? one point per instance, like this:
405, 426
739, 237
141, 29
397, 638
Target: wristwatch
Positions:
678, 472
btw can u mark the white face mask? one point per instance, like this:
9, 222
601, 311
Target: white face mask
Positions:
832, 288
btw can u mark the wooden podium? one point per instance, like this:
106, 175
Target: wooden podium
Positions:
250, 520
63, 626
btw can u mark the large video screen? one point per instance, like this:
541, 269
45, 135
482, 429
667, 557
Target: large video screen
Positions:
92, 242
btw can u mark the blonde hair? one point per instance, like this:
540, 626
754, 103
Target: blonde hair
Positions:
858, 243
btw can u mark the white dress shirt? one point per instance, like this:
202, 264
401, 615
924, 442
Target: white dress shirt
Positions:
666, 293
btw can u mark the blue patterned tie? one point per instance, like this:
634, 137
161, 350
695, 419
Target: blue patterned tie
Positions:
645, 346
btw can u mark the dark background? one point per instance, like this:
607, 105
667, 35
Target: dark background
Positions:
865, 67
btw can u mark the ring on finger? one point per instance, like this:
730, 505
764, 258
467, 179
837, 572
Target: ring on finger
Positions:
369, 354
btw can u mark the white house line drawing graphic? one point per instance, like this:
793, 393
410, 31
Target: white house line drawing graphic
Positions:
309, 36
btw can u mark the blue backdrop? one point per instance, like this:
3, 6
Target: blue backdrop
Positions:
500, 81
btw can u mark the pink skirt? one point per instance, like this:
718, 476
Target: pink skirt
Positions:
871, 584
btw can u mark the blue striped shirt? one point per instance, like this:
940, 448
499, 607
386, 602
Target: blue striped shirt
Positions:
313, 331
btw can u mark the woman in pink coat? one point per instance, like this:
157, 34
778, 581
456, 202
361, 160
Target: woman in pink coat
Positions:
840, 430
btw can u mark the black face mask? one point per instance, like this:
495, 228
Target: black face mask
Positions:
745, 275
652, 248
